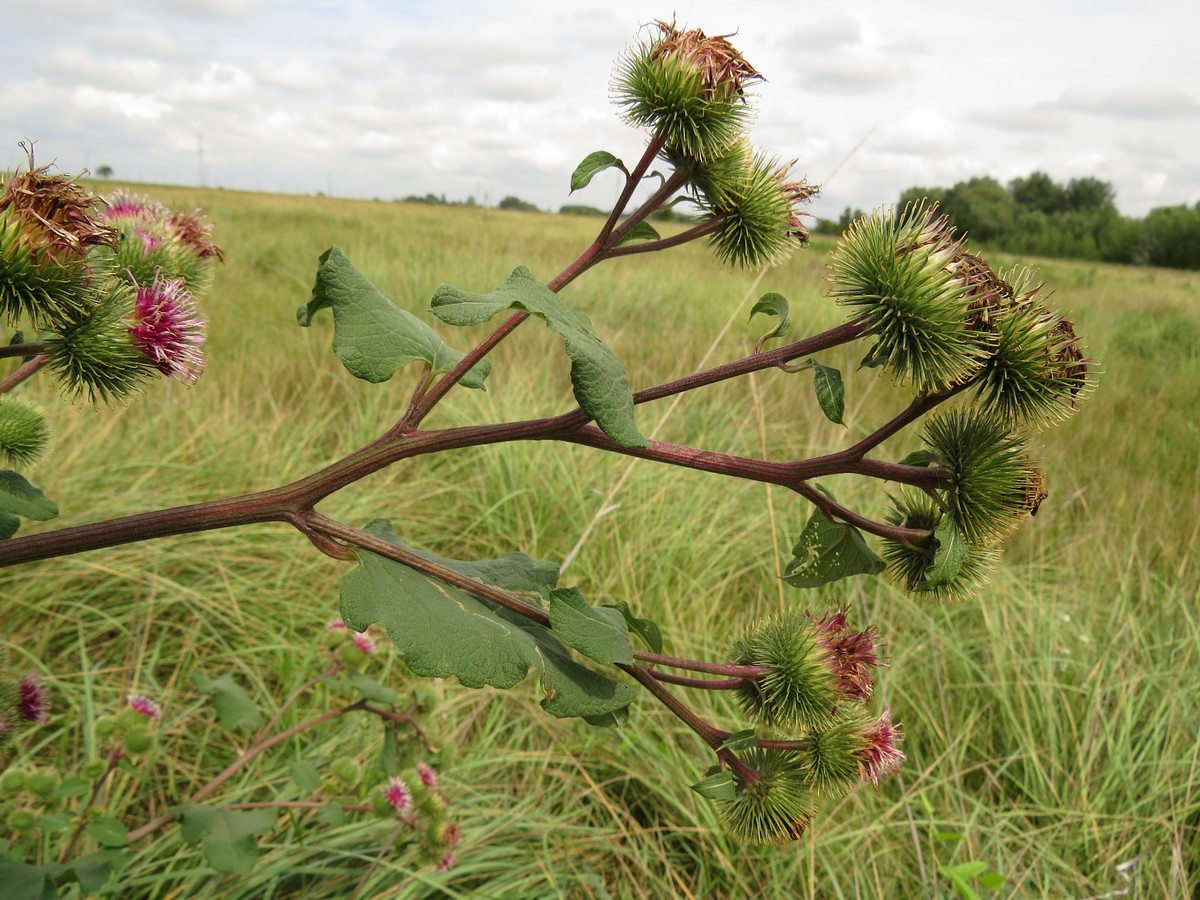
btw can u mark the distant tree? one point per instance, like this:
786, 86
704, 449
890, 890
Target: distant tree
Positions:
105, 171
1038, 192
575, 209
918, 195
511, 202
1090, 194
829, 226
981, 208
1171, 237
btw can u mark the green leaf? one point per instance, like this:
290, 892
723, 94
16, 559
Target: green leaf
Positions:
949, 555
370, 689
740, 740
108, 832
599, 634
234, 706
991, 881
642, 231
444, 631
20, 497
306, 776
389, 753
73, 786
372, 336
331, 814
597, 376
95, 870
8, 525
960, 877
227, 835
773, 304
592, 165
717, 787
24, 882
827, 551
919, 458
831, 393
646, 629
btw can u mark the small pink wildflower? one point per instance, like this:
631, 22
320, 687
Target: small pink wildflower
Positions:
144, 705
451, 835
120, 205
363, 642
166, 329
399, 796
446, 863
428, 776
33, 701
336, 625
851, 654
880, 753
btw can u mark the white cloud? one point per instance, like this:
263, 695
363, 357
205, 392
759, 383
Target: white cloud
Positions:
124, 103
1132, 102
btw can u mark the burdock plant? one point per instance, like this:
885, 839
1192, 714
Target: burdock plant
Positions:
977, 355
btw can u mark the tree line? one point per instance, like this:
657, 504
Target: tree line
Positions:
1038, 216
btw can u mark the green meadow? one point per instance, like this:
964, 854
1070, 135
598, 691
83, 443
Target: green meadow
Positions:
1053, 723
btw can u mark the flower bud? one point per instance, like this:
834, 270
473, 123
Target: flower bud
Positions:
13, 781
901, 276
23, 432
93, 769
774, 805
346, 770
20, 821
43, 782
688, 89
909, 564
138, 740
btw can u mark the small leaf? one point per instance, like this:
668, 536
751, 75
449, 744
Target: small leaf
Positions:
234, 706
592, 165
642, 231
95, 870
372, 336
740, 740
108, 832
919, 458
646, 629
306, 776
827, 551
389, 753
949, 555
227, 835
831, 393
947, 836
991, 881
445, 631
23, 881
599, 634
331, 814
73, 786
370, 689
20, 497
772, 304
599, 381
8, 525
717, 787
960, 877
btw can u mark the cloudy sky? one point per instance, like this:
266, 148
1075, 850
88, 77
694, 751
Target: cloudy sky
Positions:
366, 98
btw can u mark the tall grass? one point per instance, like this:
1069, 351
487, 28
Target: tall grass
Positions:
1052, 724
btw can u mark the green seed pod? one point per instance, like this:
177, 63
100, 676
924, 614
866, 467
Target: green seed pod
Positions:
800, 686
138, 740
909, 565
93, 769
20, 821
900, 277
993, 484
1037, 374
346, 770
830, 761
687, 88
94, 355
43, 782
380, 806
23, 432
12, 782
756, 206
104, 726
777, 806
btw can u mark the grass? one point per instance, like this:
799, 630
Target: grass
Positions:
1052, 723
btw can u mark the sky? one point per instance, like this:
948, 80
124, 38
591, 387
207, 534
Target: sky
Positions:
373, 99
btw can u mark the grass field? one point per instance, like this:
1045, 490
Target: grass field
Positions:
1053, 724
